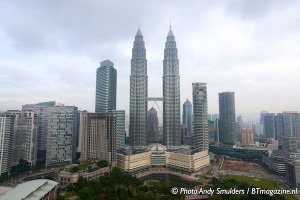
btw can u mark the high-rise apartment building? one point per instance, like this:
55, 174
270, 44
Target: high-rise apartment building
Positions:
227, 118
120, 128
106, 87
187, 116
138, 93
98, 136
25, 137
217, 133
61, 135
200, 119
152, 126
171, 93
41, 109
6, 141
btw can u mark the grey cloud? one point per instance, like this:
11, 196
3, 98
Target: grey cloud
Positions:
255, 9
62, 43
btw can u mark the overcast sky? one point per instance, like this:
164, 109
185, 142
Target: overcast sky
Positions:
50, 50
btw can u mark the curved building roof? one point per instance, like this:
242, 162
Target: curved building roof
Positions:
30, 190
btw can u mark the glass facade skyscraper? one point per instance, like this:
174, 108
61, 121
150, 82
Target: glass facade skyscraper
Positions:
106, 87
152, 126
138, 93
227, 124
61, 135
187, 116
171, 93
269, 125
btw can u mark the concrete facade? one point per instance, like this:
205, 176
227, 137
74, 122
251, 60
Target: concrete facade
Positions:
200, 119
6, 141
98, 136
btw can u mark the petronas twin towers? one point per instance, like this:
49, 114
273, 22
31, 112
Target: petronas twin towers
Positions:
139, 93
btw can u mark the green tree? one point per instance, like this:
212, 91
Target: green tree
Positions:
4, 176
22, 167
102, 163
82, 182
86, 193
59, 197
74, 169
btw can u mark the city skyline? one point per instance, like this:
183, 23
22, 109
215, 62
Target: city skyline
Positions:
230, 46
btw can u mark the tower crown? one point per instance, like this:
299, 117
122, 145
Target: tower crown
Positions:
139, 32
170, 36
170, 32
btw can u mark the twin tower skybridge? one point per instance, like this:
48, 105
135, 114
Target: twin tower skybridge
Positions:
155, 99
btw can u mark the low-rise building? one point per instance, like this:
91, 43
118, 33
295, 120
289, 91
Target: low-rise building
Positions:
187, 160
157, 155
133, 159
293, 173
274, 163
39, 189
65, 177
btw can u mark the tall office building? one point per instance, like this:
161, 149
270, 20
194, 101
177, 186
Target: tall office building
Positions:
262, 114
187, 116
41, 109
152, 126
106, 87
171, 93
6, 141
291, 124
98, 136
269, 125
279, 127
25, 137
227, 122
240, 122
200, 119
138, 93
61, 135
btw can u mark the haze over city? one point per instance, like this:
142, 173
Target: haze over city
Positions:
50, 50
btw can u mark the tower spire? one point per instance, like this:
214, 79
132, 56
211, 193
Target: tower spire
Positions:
139, 32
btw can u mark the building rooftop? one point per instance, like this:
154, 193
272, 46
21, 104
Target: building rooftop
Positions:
185, 151
30, 190
131, 151
3, 190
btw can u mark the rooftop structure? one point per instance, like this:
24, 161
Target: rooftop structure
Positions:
32, 190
